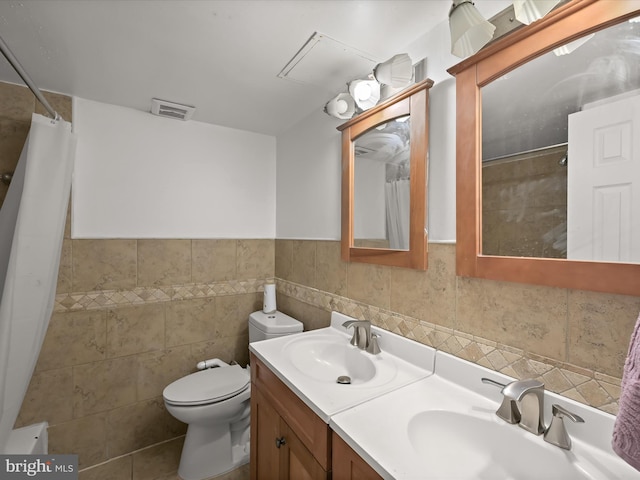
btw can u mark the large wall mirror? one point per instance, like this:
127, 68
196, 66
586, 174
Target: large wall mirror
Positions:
548, 152
384, 181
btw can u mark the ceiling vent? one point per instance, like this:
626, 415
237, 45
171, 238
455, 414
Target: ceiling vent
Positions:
163, 108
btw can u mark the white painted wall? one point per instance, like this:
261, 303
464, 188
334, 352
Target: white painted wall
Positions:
308, 183
308, 180
312, 206
142, 176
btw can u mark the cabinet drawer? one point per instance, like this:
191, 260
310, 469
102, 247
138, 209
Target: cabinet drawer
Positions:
312, 431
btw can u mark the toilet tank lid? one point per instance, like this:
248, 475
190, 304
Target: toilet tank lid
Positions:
276, 322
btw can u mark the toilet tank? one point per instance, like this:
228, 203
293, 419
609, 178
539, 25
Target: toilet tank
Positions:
263, 326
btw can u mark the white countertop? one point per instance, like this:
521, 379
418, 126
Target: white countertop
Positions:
400, 363
460, 436
427, 414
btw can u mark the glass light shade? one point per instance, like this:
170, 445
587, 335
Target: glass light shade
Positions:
366, 93
527, 11
570, 47
469, 30
342, 106
397, 71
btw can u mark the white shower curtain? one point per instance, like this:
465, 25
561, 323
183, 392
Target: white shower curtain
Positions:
397, 207
32, 222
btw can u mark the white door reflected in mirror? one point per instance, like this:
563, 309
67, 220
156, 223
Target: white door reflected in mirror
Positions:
603, 194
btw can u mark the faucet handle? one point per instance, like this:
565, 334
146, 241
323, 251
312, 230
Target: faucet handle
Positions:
557, 434
373, 347
508, 410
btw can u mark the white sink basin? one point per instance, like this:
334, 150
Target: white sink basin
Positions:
444, 427
310, 363
323, 359
483, 448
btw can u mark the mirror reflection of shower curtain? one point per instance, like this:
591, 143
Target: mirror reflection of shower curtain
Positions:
397, 207
32, 221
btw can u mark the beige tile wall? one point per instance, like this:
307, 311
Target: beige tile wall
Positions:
575, 341
17, 103
524, 205
134, 320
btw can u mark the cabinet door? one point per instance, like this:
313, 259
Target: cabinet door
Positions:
309, 427
348, 465
297, 462
265, 430
276, 451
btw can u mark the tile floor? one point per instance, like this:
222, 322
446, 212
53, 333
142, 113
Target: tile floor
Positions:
158, 462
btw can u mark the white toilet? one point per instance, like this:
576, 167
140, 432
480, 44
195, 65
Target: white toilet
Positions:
215, 404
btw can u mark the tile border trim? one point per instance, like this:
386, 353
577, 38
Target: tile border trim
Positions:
586, 386
583, 385
95, 300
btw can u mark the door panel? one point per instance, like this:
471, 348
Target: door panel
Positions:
265, 430
603, 195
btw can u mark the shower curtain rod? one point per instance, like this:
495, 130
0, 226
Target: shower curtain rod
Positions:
6, 51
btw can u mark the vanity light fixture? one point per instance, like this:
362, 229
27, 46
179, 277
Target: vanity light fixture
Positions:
342, 106
470, 31
366, 93
396, 72
527, 11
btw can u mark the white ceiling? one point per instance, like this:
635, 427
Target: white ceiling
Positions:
221, 56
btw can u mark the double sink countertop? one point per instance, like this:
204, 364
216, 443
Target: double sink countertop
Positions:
413, 412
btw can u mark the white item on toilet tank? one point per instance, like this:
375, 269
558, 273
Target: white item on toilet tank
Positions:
269, 300
263, 326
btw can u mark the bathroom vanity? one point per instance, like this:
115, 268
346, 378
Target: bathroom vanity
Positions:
408, 412
288, 440
295, 393
291, 441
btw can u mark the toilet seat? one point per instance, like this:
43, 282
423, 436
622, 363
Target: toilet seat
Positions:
207, 386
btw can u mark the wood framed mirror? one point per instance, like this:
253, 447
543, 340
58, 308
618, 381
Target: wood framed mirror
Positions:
384, 181
574, 29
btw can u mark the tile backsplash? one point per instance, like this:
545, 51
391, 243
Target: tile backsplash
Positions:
575, 341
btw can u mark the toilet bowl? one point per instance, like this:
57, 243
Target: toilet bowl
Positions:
215, 403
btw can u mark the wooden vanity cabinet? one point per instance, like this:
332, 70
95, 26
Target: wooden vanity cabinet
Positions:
348, 465
288, 440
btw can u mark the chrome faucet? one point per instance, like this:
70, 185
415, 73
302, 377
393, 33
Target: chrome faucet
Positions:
530, 396
362, 336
